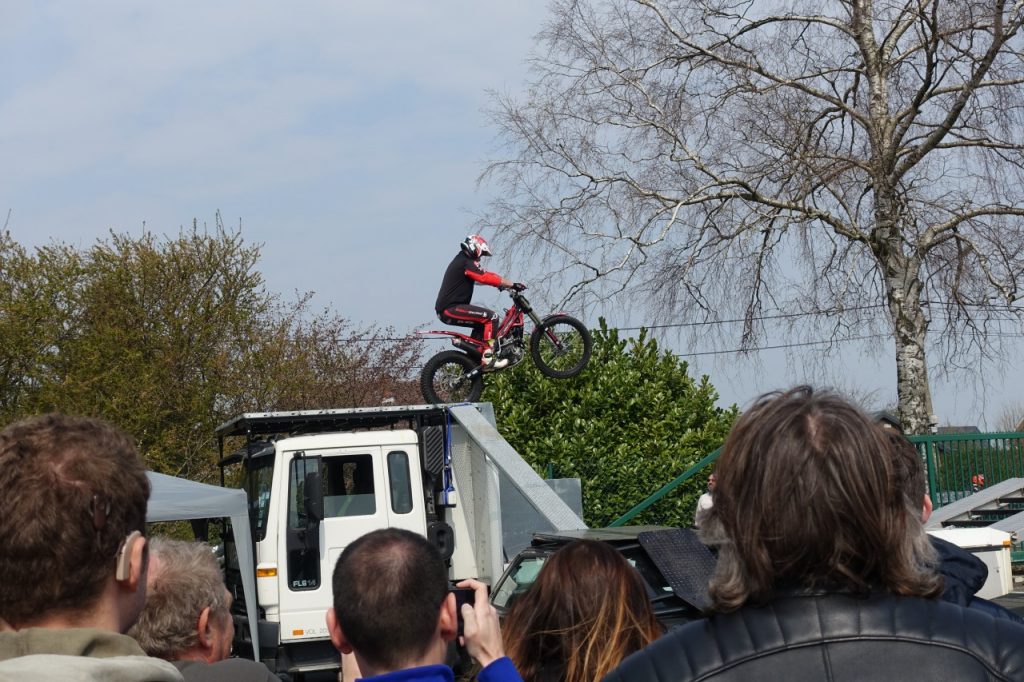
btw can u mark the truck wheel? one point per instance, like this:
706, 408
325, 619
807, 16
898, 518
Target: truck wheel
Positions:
561, 346
444, 379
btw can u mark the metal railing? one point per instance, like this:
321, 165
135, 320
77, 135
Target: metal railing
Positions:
959, 464
953, 462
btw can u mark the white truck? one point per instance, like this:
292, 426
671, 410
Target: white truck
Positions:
316, 480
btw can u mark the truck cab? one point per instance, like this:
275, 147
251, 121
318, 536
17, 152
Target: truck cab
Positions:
317, 480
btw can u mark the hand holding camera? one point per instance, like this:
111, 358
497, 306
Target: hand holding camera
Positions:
479, 629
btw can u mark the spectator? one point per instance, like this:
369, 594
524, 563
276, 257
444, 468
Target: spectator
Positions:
963, 573
824, 570
705, 502
587, 610
394, 613
73, 553
187, 618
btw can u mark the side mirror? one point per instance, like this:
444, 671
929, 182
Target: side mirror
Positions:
314, 497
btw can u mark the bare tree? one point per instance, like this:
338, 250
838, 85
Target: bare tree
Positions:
856, 161
1011, 417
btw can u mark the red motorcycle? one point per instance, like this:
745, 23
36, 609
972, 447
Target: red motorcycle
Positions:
559, 344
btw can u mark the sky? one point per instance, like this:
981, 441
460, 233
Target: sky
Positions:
345, 137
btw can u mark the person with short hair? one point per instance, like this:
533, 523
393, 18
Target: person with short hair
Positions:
587, 610
187, 618
705, 502
824, 570
73, 552
394, 613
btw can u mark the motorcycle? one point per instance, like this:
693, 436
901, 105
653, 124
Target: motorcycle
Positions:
560, 346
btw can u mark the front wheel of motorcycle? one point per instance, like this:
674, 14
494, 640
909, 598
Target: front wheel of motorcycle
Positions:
561, 346
445, 380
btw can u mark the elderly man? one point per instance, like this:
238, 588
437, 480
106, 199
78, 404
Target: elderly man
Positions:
824, 571
73, 553
394, 614
187, 619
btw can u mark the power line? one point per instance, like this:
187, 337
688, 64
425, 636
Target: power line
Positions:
786, 345
704, 323
758, 318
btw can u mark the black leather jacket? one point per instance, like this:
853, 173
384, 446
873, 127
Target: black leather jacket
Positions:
835, 637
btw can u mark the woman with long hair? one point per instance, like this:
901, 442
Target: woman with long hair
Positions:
586, 611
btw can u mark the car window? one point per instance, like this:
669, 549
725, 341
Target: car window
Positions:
652, 576
517, 582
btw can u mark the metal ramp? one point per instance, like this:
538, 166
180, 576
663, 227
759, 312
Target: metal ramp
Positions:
1000, 506
684, 560
520, 474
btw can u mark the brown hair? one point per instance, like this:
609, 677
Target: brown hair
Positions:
184, 579
586, 612
71, 489
809, 495
908, 468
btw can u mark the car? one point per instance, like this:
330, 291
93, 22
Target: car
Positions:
674, 564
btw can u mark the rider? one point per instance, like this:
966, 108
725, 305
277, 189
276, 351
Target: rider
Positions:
453, 300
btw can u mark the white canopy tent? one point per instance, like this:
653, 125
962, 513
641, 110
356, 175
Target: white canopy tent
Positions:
178, 499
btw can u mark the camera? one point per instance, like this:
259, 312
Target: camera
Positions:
463, 595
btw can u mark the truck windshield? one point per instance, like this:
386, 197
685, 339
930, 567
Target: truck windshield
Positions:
258, 479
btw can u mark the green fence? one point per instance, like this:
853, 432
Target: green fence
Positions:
961, 463
957, 465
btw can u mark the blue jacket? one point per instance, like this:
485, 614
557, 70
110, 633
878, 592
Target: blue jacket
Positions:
501, 670
964, 574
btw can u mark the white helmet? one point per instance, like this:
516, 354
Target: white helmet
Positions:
475, 246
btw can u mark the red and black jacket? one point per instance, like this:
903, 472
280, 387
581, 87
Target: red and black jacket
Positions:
459, 279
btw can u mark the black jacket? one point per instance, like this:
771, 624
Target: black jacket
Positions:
964, 574
460, 277
835, 637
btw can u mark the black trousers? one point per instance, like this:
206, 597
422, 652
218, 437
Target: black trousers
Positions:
468, 315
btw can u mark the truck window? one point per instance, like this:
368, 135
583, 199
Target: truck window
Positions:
399, 480
348, 486
303, 564
258, 481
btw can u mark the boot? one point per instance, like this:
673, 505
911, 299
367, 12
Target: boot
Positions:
488, 360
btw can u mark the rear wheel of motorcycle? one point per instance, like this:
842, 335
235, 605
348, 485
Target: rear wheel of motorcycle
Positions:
444, 379
561, 346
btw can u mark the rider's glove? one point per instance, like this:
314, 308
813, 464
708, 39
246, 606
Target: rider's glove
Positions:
518, 286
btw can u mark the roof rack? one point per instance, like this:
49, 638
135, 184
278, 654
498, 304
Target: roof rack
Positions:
301, 422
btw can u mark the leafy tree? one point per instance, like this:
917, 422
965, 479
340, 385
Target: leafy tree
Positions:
853, 165
36, 308
631, 422
169, 337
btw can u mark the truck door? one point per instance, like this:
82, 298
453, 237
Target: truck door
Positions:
363, 489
